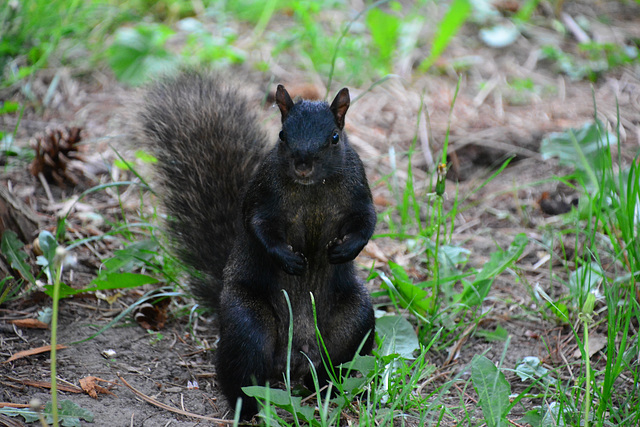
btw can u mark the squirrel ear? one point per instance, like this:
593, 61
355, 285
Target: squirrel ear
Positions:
340, 105
284, 102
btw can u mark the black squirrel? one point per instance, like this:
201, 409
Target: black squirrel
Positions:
256, 221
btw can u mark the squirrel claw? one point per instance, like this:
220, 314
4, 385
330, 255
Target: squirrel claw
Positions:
294, 263
344, 250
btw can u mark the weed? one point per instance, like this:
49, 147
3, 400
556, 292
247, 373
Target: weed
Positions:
592, 60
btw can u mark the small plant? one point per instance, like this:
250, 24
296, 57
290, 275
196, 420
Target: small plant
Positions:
52, 261
602, 285
373, 388
154, 337
594, 61
138, 53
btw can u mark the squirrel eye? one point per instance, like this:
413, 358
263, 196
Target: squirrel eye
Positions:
335, 137
282, 136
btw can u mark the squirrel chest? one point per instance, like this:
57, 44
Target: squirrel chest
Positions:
313, 218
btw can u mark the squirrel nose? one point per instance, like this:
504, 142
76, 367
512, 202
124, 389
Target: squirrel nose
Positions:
303, 168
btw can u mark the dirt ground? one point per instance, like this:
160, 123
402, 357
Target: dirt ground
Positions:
489, 124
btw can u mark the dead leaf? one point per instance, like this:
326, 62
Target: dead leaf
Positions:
596, 343
29, 324
90, 386
374, 251
31, 352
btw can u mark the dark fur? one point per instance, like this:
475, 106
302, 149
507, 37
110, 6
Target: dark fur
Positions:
305, 215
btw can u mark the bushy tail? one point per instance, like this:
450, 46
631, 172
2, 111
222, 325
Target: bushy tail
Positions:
208, 142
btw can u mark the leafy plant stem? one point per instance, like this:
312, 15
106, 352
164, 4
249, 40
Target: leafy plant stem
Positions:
54, 334
587, 396
436, 269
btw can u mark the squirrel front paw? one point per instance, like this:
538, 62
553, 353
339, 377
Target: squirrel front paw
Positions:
345, 249
293, 263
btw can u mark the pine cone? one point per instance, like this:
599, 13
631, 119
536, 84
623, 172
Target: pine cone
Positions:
54, 150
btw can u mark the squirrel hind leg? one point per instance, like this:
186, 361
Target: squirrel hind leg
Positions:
246, 348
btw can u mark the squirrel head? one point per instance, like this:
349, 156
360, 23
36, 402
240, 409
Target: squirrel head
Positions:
312, 139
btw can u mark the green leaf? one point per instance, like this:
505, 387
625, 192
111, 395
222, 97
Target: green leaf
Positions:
120, 281
530, 368
11, 246
65, 290
398, 336
363, 364
138, 53
28, 415
532, 417
9, 107
452, 22
48, 245
133, 256
477, 291
353, 385
145, 157
585, 280
282, 399
560, 309
414, 296
69, 414
493, 391
553, 417
585, 149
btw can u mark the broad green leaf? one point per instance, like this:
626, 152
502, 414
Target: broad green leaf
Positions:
69, 414
134, 255
584, 280
353, 385
545, 416
48, 245
120, 281
532, 417
29, 415
65, 290
138, 53
585, 149
414, 296
11, 246
398, 336
110, 281
493, 391
9, 107
363, 364
530, 368
552, 416
282, 399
